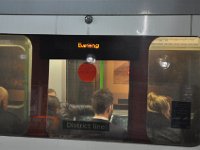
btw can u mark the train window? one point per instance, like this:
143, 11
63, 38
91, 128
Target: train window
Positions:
173, 106
15, 66
86, 96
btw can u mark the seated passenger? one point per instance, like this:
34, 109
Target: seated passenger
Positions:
9, 123
77, 112
102, 103
53, 106
53, 114
158, 120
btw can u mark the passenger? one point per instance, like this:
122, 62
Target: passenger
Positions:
51, 92
102, 103
53, 106
158, 120
9, 123
53, 114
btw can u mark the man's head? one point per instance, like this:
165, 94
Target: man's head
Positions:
3, 98
102, 102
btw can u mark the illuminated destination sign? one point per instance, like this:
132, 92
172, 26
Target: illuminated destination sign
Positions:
88, 45
102, 47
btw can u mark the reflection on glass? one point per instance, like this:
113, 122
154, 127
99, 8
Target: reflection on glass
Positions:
15, 52
173, 91
90, 59
164, 62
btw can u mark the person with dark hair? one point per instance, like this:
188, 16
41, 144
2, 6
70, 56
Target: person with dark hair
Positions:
53, 105
10, 124
158, 120
102, 103
53, 116
98, 126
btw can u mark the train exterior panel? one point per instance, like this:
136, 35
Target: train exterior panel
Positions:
148, 51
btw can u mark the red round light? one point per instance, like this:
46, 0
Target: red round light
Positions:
87, 72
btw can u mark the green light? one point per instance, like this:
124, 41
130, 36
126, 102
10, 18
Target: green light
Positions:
101, 74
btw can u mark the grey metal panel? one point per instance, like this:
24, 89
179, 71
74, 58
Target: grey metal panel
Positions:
101, 7
21, 143
71, 25
27, 24
196, 25
102, 25
126, 25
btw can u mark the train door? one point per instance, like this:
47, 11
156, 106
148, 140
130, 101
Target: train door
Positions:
81, 65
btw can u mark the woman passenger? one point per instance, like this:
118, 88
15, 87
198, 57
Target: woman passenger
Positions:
158, 120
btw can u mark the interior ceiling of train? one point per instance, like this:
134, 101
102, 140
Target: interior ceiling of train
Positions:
100, 7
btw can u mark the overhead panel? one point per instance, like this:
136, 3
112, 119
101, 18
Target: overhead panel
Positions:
27, 24
125, 25
196, 25
99, 7
101, 25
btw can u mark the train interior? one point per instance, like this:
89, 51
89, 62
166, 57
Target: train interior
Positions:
173, 72
75, 87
